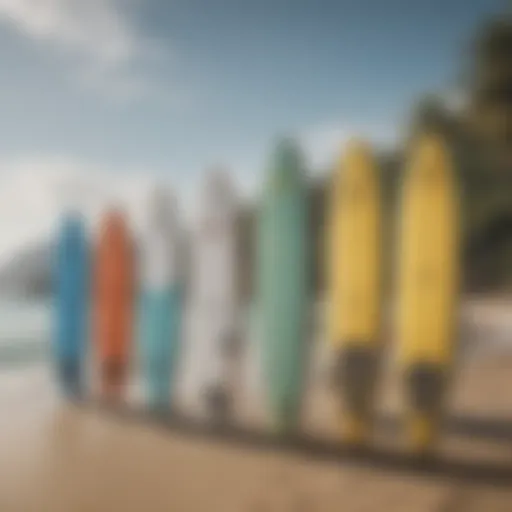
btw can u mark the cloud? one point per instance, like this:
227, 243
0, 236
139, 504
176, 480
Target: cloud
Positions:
95, 28
99, 33
34, 191
323, 142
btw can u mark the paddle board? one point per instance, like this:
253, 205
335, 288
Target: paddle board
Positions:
113, 304
161, 303
216, 295
282, 283
354, 273
71, 304
428, 285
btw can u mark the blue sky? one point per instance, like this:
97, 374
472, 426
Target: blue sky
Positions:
169, 87
188, 82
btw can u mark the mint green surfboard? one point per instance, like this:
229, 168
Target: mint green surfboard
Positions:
281, 285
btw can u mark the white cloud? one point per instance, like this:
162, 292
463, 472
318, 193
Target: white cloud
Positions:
95, 28
99, 33
323, 142
34, 192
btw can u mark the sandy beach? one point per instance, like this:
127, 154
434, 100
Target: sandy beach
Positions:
57, 457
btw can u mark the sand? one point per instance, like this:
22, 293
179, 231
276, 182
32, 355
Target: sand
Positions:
56, 457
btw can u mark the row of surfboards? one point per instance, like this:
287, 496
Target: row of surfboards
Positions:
101, 281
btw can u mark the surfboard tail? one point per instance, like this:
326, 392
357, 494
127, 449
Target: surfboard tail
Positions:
159, 343
356, 379
426, 386
70, 377
113, 379
158, 373
158, 397
285, 420
218, 402
284, 385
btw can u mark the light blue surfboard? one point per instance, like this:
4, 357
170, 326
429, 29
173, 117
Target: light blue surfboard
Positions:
282, 284
161, 304
71, 304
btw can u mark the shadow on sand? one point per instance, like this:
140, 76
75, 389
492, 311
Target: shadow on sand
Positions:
432, 466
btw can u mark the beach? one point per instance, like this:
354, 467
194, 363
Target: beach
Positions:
59, 457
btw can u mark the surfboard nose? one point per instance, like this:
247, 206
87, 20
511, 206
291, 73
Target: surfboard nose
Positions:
287, 164
162, 209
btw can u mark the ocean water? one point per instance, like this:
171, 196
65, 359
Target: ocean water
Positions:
25, 344
26, 327
25, 332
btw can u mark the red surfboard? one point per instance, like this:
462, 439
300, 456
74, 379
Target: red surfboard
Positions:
113, 304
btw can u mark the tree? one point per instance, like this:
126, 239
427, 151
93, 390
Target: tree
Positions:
430, 115
490, 83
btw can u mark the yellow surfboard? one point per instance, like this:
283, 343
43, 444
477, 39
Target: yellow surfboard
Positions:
354, 286
428, 284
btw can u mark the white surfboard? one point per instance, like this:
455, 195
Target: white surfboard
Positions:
161, 299
214, 297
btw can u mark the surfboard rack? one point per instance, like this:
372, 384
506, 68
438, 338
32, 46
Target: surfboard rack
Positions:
493, 474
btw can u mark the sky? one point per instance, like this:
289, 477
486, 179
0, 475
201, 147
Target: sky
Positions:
139, 90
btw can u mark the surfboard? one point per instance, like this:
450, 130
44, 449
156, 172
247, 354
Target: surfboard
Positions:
354, 273
215, 295
161, 304
282, 285
71, 304
113, 304
428, 278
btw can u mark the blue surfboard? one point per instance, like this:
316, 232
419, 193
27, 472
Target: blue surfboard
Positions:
71, 304
161, 304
